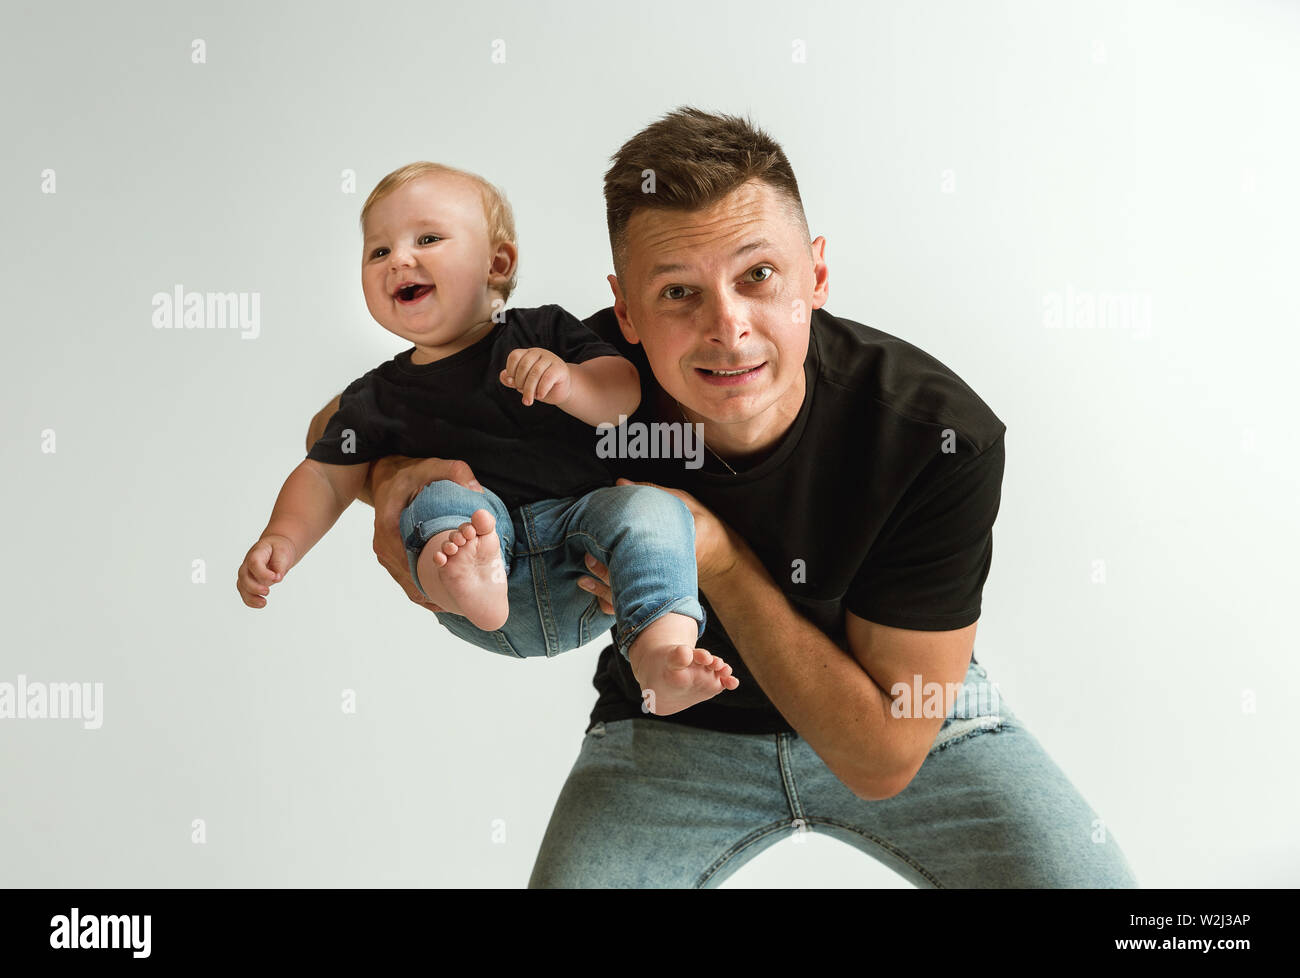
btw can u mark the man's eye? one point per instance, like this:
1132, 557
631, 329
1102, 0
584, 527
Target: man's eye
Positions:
764, 268
673, 288
434, 236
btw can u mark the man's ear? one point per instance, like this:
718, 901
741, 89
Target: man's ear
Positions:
620, 310
505, 260
821, 273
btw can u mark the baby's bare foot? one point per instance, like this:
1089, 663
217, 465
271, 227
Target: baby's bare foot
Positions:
674, 677
471, 574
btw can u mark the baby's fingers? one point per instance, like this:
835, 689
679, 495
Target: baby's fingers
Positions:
517, 365
549, 381
277, 564
256, 563
250, 590
512, 361
252, 600
540, 383
536, 371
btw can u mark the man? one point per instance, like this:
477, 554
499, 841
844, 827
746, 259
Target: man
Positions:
844, 521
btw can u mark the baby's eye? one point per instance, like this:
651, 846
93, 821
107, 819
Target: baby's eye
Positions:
378, 252
434, 236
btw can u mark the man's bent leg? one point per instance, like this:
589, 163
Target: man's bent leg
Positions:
988, 809
650, 803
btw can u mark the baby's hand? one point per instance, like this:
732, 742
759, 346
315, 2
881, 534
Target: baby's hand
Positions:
266, 562
538, 373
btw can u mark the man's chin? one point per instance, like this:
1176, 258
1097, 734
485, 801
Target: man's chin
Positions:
731, 407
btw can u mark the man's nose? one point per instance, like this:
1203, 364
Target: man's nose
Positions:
730, 321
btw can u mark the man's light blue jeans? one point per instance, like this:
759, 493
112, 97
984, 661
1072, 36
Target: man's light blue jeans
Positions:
652, 803
645, 536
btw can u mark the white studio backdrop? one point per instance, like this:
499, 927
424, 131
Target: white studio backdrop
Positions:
984, 173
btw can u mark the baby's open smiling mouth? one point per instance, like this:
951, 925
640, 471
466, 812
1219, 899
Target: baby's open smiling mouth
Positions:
413, 293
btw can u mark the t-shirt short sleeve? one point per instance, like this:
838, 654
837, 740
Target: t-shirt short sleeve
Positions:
927, 572
353, 434
559, 331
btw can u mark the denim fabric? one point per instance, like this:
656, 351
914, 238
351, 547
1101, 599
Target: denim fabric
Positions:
645, 536
651, 803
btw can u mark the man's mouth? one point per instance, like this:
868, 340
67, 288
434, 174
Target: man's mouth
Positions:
729, 375
412, 292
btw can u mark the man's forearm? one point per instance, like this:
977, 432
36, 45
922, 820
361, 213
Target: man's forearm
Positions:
819, 687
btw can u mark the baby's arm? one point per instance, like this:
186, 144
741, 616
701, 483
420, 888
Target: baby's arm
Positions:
597, 391
310, 502
603, 389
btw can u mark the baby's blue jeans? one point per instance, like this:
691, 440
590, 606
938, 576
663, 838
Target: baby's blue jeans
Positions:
645, 536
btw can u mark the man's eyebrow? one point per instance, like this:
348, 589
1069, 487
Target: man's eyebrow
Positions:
664, 269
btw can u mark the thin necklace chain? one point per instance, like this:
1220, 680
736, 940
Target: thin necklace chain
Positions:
702, 441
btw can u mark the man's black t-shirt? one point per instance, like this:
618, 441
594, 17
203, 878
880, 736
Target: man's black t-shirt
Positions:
879, 500
457, 408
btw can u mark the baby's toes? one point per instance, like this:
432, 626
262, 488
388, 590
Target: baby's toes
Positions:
680, 657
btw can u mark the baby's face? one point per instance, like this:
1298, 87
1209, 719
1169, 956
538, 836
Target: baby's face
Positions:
425, 262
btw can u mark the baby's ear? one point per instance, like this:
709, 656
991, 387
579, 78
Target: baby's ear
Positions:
504, 264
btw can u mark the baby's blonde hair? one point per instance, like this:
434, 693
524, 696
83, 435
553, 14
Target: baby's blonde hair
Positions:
496, 209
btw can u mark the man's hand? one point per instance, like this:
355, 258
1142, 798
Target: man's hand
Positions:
717, 549
537, 372
394, 482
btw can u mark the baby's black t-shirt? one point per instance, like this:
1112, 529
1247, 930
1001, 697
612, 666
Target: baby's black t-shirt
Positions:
879, 500
457, 408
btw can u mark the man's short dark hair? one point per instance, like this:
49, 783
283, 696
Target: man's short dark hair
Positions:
695, 158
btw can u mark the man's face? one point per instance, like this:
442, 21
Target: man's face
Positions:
426, 261
727, 288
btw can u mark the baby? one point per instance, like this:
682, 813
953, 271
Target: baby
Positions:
518, 394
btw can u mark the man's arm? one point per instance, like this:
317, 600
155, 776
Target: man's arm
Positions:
840, 700
837, 701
